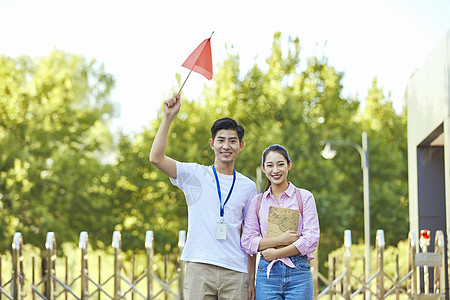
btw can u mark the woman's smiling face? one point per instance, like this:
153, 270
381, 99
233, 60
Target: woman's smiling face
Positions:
276, 168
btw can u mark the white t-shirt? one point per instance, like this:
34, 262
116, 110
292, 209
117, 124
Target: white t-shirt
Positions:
199, 186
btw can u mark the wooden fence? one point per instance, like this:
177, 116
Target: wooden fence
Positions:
338, 286
84, 286
147, 285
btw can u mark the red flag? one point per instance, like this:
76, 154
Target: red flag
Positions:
200, 60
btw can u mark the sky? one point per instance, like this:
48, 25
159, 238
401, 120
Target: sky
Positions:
143, 43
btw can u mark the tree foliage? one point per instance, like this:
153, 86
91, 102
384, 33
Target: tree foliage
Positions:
282, 103
53, 131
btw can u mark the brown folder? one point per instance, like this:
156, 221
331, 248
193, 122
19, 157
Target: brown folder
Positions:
281, 220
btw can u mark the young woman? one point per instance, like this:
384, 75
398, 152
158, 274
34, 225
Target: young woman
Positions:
283, 271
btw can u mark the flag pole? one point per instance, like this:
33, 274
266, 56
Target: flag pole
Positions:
190, 72
185, 81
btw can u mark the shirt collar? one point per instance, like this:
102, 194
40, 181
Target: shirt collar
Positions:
289, 191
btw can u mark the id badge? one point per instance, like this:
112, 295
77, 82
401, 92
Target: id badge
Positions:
221, 230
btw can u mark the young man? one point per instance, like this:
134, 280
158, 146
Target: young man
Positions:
217, 198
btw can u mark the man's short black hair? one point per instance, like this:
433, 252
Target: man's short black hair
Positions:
228, 124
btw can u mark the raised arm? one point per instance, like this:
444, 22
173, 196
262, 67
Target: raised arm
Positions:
158, 151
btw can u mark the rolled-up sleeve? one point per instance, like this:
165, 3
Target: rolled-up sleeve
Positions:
309, 237
251, 233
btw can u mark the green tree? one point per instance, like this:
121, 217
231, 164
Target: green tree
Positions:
386, 132
61, 171
277, 103
54, 112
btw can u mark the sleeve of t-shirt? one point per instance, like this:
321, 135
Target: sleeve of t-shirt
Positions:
252, 194
184, 172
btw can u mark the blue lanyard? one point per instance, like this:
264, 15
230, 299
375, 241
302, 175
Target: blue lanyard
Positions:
222, 208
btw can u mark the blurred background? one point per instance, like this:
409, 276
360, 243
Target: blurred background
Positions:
82, 82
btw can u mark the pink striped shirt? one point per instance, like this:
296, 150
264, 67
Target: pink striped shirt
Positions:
308, 225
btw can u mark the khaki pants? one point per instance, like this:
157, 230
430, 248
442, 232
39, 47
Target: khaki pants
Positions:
209, 282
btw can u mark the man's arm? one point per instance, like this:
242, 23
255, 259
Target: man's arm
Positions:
158, 151
251, 268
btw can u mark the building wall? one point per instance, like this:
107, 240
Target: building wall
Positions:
428, 103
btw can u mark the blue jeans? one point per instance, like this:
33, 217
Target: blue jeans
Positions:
285, 282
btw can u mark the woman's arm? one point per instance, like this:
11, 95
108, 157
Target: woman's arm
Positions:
272, 253
310, 235
285, 239
251, 233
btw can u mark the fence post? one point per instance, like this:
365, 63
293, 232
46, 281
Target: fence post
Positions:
181, 243
99, 273
165, 280
315, 274
17, 268
439, 271
1, 276
84, 264
347, 254
66, 277
50, 245
397, 272
149, 250
412, 281
117, 245
331, 273
379, 242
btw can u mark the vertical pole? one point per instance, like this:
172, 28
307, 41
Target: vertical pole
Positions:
365, 169
426, 277
315, 275
21, 273
181, 243
84, 264
33, 264
66, 278
380, 263
44, 272
397, 276
99, 274
412, 282
149, 251
331, 273
50, 245
133, 277
165, 277
364, 276
16, 257
439, 271
1, 276
347, 244
117, 245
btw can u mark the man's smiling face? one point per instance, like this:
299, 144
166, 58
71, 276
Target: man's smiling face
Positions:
226, 145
